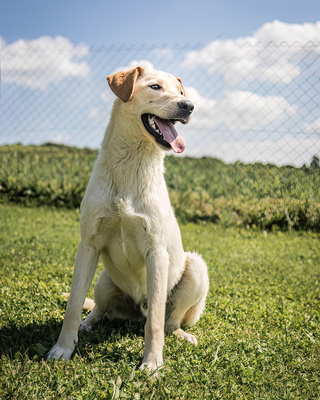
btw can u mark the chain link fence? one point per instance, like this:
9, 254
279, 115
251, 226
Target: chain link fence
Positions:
254, 103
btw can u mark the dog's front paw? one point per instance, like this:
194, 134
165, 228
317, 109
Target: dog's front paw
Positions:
153, 364
60, 353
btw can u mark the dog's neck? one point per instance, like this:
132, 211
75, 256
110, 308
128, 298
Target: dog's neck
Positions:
130, 158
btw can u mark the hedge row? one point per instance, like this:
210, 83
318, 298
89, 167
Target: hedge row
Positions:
255, 195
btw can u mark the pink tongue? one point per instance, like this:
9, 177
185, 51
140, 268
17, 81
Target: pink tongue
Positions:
171, 135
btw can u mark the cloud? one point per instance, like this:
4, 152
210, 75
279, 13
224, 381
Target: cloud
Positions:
278, 31
37, 63
136, 63
313, 127
244, 126
244, 110
268, 55
239, 110
60, 138
101, 114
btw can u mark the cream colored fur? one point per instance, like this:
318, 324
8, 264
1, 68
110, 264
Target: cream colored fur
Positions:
127, 220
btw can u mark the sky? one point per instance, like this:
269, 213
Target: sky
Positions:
138, 22
253, 102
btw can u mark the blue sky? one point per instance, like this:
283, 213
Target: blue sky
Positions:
107, 22
253, 102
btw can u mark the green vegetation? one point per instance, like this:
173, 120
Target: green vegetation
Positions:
258, 338
256, 195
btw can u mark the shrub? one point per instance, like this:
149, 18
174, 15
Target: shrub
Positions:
206, 189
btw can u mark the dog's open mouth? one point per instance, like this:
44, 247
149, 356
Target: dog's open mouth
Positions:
164, 132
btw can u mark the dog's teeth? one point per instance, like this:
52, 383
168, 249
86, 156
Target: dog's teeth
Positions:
153, 125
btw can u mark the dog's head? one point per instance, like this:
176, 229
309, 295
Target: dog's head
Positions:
158, 100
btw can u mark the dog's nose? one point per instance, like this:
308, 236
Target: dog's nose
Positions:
186, 105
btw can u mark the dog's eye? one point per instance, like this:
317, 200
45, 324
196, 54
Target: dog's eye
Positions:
155, 87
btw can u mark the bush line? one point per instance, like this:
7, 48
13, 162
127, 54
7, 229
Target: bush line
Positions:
254, 195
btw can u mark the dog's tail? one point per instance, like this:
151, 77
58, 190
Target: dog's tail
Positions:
87, 305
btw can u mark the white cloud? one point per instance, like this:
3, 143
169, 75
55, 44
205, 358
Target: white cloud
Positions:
314, 127
60, 138
244, 126
101, 114
136, 63
244, 110
278, 31
37, 63
251, 59
239, 110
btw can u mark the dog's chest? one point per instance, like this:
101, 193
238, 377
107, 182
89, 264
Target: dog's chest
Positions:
125, 243
132, 225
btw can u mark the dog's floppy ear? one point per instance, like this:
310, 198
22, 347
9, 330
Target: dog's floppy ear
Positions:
183, 91
122, 83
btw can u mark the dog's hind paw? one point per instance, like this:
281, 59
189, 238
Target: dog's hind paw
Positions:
184, 335
84, 326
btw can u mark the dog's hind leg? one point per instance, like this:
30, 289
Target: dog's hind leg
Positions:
187, 302
111, 302
103, 292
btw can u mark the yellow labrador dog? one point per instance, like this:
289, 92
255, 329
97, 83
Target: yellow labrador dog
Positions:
127, 219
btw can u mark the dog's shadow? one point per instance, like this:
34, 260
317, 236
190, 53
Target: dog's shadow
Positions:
35, 340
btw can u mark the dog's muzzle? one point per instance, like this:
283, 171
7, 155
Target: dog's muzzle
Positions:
163, 130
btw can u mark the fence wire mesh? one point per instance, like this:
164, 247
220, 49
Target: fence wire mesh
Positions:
254, 102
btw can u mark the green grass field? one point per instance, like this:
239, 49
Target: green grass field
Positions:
258, 338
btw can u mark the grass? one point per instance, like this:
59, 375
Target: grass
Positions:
258, 338
256, 195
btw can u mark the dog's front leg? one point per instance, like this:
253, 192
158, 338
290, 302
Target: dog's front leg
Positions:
84, 268
157, 277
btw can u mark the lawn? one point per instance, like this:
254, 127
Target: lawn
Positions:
258, 338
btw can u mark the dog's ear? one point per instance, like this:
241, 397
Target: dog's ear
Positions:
183, 91
122, 83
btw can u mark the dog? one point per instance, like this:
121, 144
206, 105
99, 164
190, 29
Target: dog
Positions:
127, 220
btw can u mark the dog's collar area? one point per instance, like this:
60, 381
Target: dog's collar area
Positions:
163, 131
